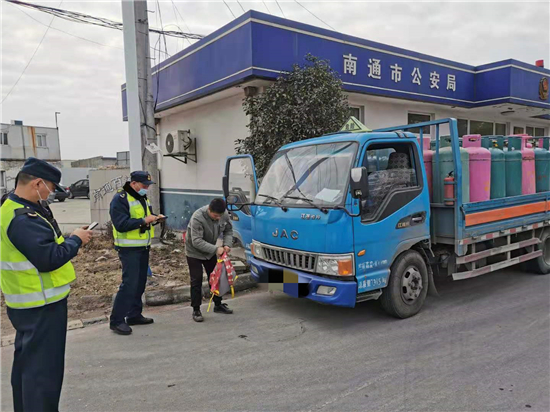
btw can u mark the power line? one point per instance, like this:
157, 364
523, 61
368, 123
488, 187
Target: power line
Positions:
66, 32
32, 57
241, 6
176, 12
96, 21
266, 7
229, 9
280, 8
162, 28
322, 21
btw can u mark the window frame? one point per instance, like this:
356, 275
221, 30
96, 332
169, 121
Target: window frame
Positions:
41, 140
417, 130
414, 190
361, 109
4, 139
495, 122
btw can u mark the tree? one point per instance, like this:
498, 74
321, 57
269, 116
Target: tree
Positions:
304, 103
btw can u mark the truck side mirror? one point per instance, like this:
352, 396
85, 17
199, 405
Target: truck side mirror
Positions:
359, 183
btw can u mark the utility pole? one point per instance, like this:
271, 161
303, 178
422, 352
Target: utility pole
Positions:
139, 93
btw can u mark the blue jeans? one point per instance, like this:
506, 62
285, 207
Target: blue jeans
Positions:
135, 262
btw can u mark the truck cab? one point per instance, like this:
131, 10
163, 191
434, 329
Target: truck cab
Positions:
334, 215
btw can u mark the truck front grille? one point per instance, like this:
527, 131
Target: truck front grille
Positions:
290, 258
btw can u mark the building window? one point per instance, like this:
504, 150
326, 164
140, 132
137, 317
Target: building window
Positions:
518, 130
357, 112
500, 129
41, 140
482, 128
535, 131
413, 118
462, 125
4, 138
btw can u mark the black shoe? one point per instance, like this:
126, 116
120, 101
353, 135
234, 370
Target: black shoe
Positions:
222, 308
197, 316
141, 320
121, 329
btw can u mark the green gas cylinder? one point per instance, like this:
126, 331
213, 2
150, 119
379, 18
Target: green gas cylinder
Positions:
498, 166
446, 166
513, 164
542, 166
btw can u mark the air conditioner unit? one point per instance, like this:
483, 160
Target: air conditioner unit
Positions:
177, 142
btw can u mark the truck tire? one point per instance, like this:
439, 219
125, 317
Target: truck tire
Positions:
541, 265
407, 287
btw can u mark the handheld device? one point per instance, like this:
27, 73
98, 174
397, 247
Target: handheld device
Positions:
93, 226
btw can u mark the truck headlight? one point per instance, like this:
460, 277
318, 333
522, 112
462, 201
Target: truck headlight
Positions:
256, 249
335, 265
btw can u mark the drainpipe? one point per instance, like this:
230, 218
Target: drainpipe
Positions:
23, 141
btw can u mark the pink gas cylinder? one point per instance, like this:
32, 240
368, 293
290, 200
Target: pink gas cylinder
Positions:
528, 180
480, 168
428, 156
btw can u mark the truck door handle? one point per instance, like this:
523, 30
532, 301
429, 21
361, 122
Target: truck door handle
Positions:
417, 219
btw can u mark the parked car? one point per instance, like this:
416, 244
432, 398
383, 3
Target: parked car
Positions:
80, 189
61, 195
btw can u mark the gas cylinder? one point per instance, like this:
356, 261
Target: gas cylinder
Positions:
446, 166
480, 168
427, 154
498, 168
513, 165
528, 180
449, 190
542, 167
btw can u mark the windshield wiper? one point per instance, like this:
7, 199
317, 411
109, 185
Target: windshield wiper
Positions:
274, 199
308, 200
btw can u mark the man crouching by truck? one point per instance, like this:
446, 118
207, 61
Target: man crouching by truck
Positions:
205, 227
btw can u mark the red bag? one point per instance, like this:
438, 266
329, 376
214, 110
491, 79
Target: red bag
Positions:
222, 277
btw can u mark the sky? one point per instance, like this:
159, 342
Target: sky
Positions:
74, 75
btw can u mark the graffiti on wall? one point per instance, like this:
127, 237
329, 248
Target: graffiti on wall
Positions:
109, 187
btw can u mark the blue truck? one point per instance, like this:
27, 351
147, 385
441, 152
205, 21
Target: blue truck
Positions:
346, 218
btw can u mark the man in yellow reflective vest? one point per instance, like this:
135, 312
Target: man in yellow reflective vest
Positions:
133, 232
35, 276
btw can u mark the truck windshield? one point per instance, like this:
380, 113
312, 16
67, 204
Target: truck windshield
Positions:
316, 174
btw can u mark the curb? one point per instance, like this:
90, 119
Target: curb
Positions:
162, 297
183, 293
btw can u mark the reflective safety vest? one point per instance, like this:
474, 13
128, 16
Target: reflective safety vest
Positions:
137, 237
22, 284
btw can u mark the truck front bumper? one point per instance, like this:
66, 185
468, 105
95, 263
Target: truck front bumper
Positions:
303, 284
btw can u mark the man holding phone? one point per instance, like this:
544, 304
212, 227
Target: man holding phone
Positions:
133, 232
36, 273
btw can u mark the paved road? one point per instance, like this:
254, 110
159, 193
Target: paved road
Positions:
482, 346
71, 213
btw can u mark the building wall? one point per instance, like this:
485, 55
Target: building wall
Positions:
11, 168
103, 186
23, 143
187, 187
98, 161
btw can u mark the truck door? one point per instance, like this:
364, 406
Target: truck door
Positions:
395, 215
240, 181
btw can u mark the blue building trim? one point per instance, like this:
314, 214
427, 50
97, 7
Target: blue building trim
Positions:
257, 45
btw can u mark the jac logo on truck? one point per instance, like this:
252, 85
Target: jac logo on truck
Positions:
284, 234
310, 217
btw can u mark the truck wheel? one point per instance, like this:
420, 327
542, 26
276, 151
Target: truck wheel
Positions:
541, 265
407, 287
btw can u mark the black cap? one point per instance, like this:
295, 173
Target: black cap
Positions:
39, 168
141, 176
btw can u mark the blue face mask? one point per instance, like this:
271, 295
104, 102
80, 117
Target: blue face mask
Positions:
143, 192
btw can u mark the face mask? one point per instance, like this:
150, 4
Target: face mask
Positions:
49, 199
143, 192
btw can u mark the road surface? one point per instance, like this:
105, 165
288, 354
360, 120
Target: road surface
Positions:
482, 346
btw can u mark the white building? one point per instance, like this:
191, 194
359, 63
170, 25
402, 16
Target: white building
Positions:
201, 90
19, 142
